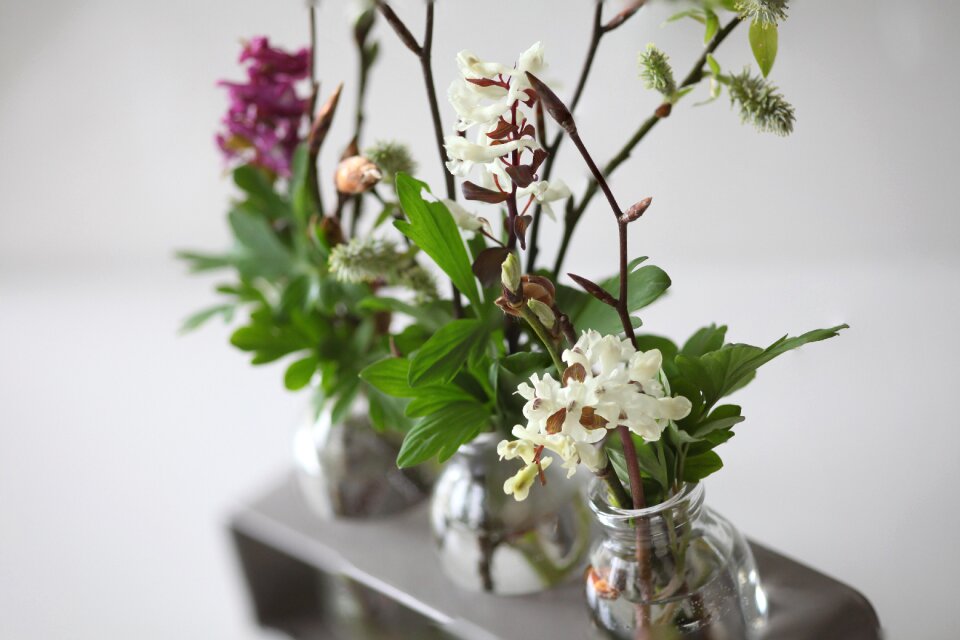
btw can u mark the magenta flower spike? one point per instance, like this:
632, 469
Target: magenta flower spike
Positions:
262, 124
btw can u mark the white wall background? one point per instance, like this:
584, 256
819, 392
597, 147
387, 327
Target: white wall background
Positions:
124, 446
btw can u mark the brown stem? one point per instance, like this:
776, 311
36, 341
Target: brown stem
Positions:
575, 212
595, 35
423, 53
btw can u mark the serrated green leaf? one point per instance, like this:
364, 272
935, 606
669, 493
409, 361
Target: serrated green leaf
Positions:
763, 43
300, 373
441, 434
446, 352
431, 227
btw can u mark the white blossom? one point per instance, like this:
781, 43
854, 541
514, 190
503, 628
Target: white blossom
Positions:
608, 383
487, 97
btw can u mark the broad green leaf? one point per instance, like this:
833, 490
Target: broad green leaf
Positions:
710, 441
436, 399
721, 372
644, 285
441, 433
696, 468
442, 356
704, 341
199, 318
390, 376
260, 192
263, 253
763, 42
723, 417
268, 342
299, 374
431, 227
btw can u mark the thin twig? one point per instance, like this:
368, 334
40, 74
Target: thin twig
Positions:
575, 212
423, 53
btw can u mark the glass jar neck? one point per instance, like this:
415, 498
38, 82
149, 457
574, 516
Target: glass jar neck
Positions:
664, 520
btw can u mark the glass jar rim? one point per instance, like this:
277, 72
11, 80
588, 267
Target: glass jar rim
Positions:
691, 494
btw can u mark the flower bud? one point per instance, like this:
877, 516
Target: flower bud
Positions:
357, 174
544, 313
538, 288
510, 273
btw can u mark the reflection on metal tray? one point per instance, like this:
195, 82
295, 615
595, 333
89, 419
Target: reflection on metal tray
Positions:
379, 579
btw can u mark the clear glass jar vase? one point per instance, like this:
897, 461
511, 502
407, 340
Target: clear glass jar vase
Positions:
673, 570
487, 541
348, 469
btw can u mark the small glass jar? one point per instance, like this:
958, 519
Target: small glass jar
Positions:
673, 570
348, 469
488, 541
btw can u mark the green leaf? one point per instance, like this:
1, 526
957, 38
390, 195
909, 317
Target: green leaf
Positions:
269, 342
201, 317
442, 356
387, 412
411, 338
198, 262
713, 64
441, 434
704, 341
263, 253
300, 199
300, 373
432, 315
438, 398
710, 441
696, 468
763, 42
694, 14
390, 376
346, 391
644, 285
432, 228
712, 24
721, 372
723, 417
260, 192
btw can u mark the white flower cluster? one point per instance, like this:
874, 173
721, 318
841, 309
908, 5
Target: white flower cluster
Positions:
607, 383
490, 98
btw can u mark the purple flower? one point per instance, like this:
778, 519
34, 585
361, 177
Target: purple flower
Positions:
262, 124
